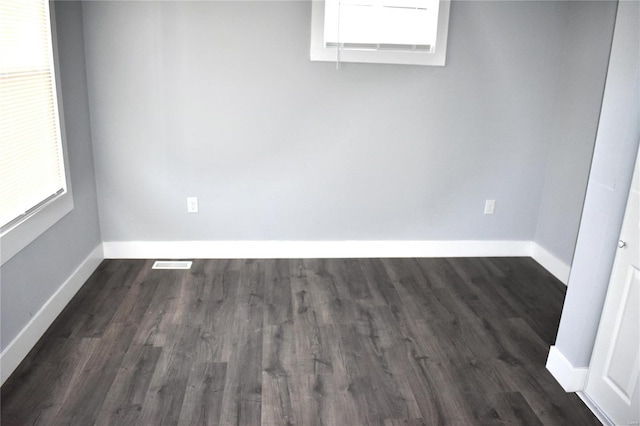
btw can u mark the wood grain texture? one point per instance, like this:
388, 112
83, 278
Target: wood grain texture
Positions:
301, 342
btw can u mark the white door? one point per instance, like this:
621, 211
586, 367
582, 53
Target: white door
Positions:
614, 373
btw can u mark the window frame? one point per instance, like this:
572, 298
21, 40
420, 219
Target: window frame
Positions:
33, 225
319, 52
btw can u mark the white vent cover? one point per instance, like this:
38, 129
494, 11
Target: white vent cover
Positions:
172, 264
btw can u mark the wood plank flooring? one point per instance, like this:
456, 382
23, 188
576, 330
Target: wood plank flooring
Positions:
301, 342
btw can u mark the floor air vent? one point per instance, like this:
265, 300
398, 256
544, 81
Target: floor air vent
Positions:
172, 264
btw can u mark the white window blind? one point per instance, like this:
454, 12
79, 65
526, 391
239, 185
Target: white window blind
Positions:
31, 159
411, 32
381, 24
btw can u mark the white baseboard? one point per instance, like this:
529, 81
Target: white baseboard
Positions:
551, 263
311, 249
571, 379
333, 249
19, 347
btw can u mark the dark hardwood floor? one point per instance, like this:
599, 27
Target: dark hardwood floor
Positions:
301, 342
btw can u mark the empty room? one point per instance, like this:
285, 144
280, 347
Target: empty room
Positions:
336, 212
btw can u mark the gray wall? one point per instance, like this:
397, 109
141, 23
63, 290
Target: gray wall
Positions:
609, 182
219, 100
585, 58
31, 277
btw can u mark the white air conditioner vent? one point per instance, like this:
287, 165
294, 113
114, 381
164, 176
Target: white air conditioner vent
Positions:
172, 264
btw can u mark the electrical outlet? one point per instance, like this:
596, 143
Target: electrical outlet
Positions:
489, 206
192, 204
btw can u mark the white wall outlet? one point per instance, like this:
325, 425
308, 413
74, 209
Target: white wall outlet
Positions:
192, 204
489, 206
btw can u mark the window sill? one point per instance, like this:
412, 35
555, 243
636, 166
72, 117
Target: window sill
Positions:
24, 233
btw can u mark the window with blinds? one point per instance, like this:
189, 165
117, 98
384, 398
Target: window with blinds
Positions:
376, 24
31, 157
380, 31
